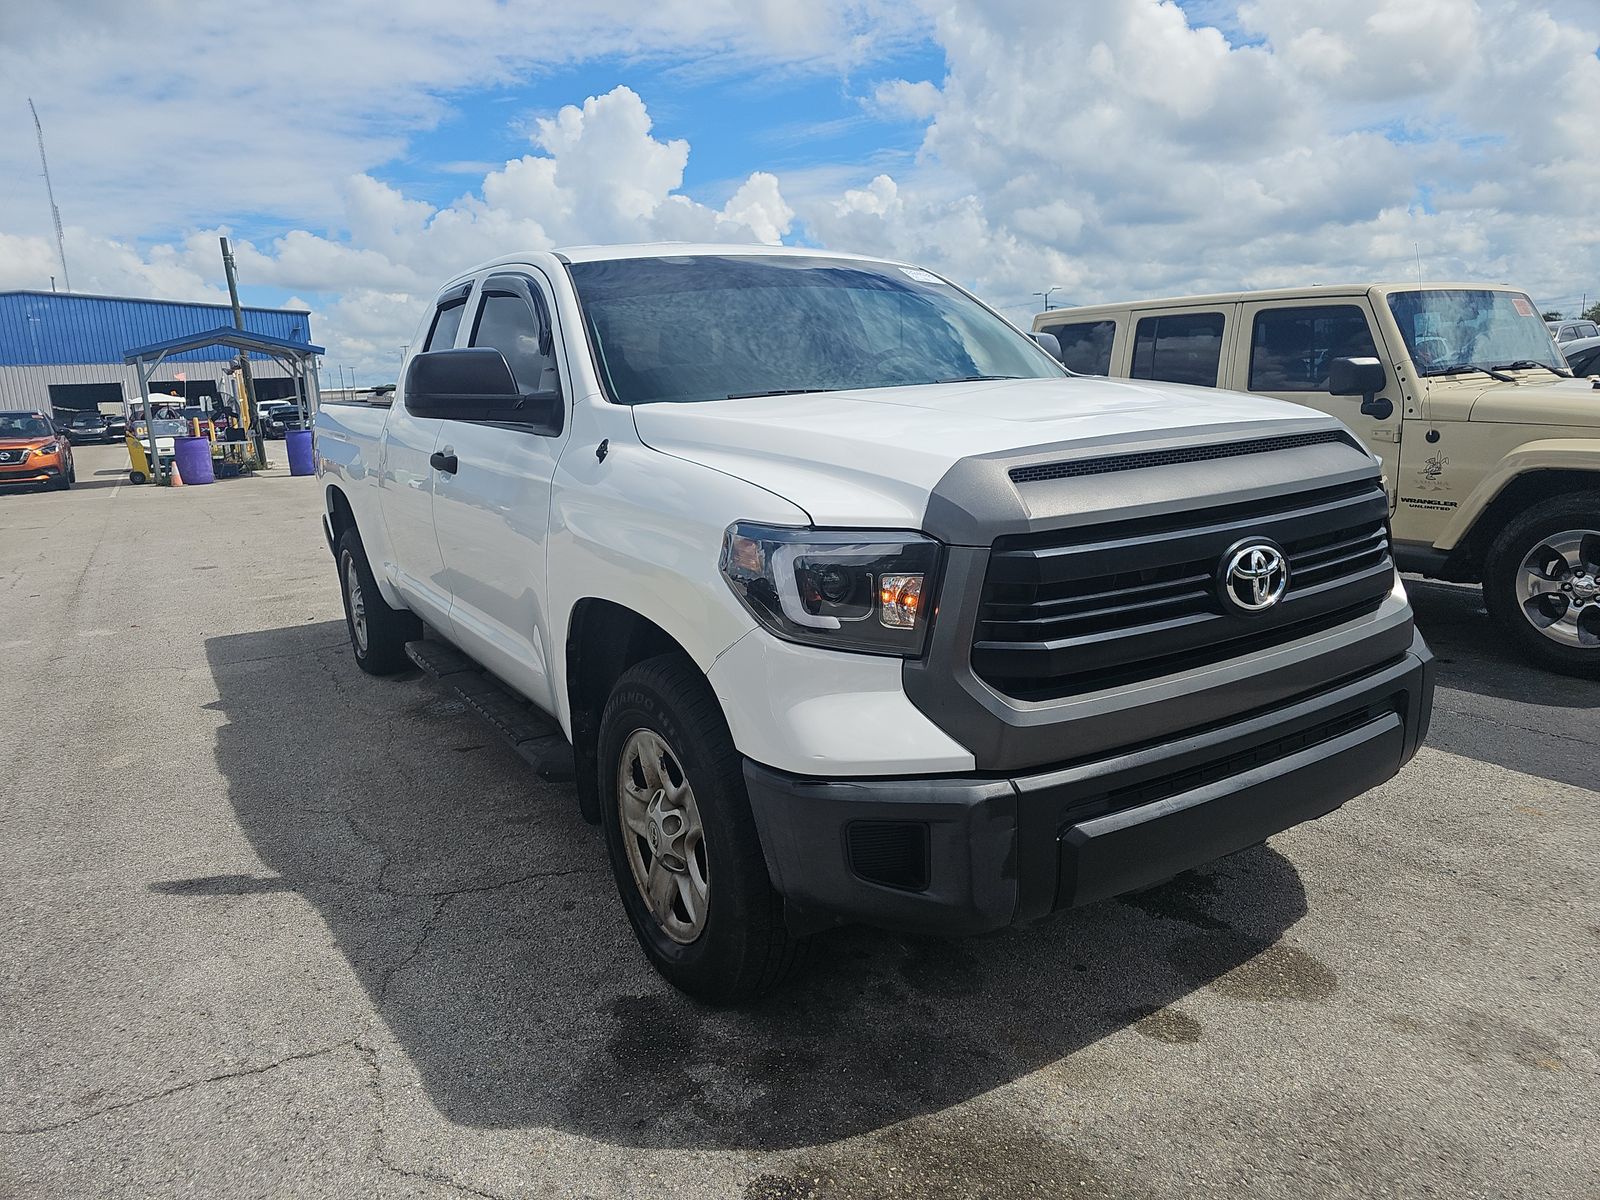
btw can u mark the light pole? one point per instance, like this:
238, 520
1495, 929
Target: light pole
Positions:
1045, 295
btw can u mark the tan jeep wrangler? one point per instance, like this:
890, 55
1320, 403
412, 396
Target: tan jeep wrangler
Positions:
1491, 449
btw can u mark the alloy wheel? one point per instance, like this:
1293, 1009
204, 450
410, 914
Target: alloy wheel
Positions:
358, 605
1558, 588
663, 835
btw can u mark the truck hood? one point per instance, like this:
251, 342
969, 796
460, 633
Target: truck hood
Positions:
871, 457
1538, 398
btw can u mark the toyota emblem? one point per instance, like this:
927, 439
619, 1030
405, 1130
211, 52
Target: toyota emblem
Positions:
1254, 576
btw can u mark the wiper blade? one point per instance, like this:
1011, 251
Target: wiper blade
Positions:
975, 378
1531, 364
1465, 367
775, 392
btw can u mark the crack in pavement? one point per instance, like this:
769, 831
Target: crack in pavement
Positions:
31, 1130
380, 1140
427, 932
1484, 717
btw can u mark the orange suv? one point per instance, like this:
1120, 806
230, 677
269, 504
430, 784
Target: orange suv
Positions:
31, 451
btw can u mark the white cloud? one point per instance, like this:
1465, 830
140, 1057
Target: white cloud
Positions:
1122, 150
1119, 148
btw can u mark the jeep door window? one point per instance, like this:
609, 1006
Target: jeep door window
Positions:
686, 328
1178, 348
1450, 330
1085, 347
1291, 348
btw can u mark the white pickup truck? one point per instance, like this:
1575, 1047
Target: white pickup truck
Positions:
853, 605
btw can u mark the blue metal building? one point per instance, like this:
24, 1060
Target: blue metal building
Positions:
62, 350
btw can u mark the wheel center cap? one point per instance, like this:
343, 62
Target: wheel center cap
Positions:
1585, 587
667, 827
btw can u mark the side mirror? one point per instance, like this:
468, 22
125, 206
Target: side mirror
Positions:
1051, 345
461, 385
1364, 377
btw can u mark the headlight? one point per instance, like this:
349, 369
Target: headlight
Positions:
864, 589
47, 448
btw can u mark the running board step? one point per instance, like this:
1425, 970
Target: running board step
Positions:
527, 730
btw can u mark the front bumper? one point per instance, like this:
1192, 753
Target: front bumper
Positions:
969, 854
30, 474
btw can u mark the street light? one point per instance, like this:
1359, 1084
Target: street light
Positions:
1045, 295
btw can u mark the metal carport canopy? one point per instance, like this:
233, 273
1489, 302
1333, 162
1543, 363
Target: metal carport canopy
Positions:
295, 356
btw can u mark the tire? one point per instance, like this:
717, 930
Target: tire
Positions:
136, 477
378, 633
740, 949
68, 477
1552, 549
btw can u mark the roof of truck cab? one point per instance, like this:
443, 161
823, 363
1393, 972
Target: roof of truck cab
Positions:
1315, 291
579, 254
668, 249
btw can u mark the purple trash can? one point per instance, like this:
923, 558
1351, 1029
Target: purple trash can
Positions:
298, 443
193, 455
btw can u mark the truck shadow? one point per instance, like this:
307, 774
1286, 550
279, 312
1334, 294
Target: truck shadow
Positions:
1475, 656
479, 913
1492, 704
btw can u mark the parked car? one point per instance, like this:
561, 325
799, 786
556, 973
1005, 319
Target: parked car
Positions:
1571, 329
116, 426
278, 417
855, 605
1491, 449
81, 427
1583, 356
32, 452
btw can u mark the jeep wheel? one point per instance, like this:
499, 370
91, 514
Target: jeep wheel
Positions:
1542, 583
681, 839
378, 633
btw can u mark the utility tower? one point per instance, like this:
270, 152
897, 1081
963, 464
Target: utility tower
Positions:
55, 213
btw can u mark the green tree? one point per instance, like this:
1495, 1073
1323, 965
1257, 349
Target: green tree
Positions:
1552, 315
1592, 313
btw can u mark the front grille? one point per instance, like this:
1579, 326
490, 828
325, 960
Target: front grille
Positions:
1078, 610
1107, 463
10, 456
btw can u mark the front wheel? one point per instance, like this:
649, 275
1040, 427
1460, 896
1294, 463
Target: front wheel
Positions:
378, 633
682, 841
1541, 581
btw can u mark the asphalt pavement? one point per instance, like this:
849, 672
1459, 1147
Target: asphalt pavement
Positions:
275, 928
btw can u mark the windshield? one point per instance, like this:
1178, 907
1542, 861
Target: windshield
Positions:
24, 425
717, 327
165, 427
1455, 330
87, 419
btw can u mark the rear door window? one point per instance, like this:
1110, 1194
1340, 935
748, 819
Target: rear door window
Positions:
1178, 348
1291, 348
446, 321
1086, 346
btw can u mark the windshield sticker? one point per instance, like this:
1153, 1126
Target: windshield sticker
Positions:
1524, 309
918, 275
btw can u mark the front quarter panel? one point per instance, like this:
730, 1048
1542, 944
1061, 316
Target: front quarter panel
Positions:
1546, 454
644, 530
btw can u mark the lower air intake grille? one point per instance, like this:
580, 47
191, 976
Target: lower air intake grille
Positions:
1105, 464
891, 853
